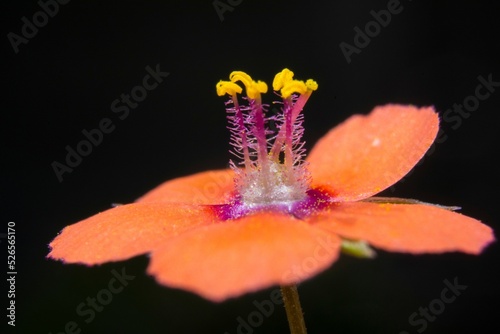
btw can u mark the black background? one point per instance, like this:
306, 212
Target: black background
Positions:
64, 80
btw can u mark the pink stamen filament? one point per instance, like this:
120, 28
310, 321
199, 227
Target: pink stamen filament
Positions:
282, 136
242, 131
260, 136
289, 159
268, 176
260, 132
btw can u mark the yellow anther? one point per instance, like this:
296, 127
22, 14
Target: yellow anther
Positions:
253, 88
240, 76
311, 84
294, 86
284, 81
227, 87
282, 78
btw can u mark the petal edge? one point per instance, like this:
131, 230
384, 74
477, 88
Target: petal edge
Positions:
125, 231
410, 228
235, 257
368, 153
209, 187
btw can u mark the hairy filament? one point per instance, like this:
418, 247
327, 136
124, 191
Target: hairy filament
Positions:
267, 177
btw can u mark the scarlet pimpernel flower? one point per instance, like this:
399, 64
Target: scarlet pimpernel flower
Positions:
277, 216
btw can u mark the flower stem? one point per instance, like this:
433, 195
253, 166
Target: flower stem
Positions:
293, 309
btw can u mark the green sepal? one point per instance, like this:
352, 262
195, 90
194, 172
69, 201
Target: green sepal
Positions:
357, 248
396, 200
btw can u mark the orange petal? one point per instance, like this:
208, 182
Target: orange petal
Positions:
407, 228
212, 187
235, 257
125, 231
366, 154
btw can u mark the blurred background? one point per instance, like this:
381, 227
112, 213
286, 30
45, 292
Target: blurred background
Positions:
63, 76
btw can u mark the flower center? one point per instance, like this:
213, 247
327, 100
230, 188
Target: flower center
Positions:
270, 170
